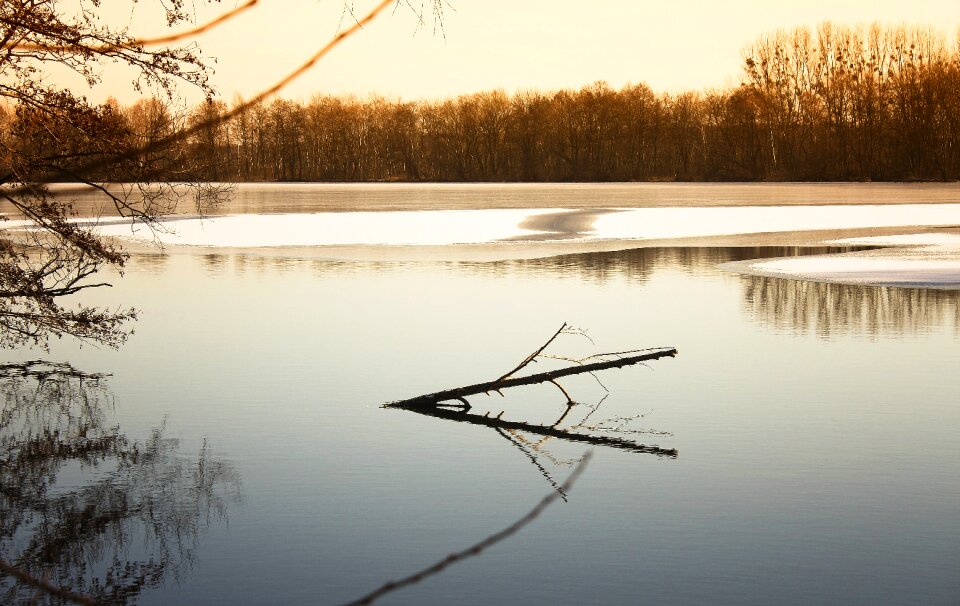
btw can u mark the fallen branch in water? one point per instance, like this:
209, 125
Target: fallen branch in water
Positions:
452, 404
439, 405
460, 393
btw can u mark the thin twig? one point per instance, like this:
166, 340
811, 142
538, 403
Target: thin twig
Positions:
107, 48
532, 356
565, 394
233, 113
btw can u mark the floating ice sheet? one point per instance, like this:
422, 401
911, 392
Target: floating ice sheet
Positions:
928, 259
925, 239
715, 221
424, 228
866, 269
446, 227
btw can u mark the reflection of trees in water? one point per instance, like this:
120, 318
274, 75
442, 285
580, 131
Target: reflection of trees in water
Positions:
829, 309
85, 508
154, 262
636, 265
796, 305
640, 263
272, 263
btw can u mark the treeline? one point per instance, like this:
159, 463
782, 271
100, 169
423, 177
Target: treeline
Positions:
835, 103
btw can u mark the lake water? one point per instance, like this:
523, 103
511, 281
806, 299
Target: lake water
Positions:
815, 424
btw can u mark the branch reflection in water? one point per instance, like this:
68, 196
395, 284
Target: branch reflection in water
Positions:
531, 439
83, 507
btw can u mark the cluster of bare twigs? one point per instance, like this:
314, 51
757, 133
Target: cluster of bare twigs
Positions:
69, 139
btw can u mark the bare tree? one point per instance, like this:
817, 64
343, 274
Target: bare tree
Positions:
57, 135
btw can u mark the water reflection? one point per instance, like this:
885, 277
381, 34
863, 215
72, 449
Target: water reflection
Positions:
784, 304
829, 309
532, 439
550, 431
152, 263
215, 263
637, 265
800, 306
279, 263
85, 508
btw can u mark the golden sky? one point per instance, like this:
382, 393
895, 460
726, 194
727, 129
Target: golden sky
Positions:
507, 44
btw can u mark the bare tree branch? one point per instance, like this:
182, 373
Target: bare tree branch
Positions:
459, 393
533, 356
240, 108
134, 42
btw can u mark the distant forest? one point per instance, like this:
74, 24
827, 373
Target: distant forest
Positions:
835, 103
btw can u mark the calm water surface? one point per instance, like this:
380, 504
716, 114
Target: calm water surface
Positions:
815, 426
268, 198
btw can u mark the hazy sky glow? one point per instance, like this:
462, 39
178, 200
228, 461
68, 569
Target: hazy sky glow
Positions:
508, 44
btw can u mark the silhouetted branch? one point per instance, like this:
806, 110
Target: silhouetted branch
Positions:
459, 393
440, 404
533, 356
570, 401
134, 42
477, 548
238, 109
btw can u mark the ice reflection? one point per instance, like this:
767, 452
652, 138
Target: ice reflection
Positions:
83, 507
829, 309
